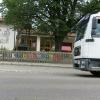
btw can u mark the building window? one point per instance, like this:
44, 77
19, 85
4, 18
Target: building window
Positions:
47, 44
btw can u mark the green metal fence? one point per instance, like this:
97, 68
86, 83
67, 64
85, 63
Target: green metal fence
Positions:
38, 57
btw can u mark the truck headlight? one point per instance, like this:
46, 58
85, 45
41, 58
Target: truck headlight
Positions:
84, 63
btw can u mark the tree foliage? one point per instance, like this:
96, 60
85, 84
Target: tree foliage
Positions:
19, 12
90, 7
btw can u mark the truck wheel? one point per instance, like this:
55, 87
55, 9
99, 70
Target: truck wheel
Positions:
96, 73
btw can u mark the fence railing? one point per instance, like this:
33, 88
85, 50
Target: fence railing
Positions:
38, 57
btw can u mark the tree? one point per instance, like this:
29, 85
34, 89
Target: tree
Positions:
60, 16
49, 16
20, 14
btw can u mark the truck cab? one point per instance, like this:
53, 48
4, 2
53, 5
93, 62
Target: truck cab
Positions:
86, 53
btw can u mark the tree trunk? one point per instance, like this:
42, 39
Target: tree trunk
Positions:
58, 43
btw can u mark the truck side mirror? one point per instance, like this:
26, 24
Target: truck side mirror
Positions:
94, 23
93, 32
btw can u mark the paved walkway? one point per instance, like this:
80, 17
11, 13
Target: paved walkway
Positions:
36, 64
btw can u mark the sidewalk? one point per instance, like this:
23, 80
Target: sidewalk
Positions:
36, 64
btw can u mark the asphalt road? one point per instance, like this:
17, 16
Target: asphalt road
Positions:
47, 83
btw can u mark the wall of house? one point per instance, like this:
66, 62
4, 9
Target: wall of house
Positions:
7, 36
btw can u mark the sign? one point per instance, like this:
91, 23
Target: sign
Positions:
66, 47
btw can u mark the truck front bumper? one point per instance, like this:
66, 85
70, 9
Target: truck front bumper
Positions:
87, 64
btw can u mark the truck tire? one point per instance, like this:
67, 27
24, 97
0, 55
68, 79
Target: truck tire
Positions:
96, 73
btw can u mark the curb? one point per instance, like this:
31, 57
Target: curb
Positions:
37, 64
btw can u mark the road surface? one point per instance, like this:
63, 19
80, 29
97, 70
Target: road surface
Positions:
47, 83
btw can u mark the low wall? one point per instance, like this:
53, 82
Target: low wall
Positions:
42, 57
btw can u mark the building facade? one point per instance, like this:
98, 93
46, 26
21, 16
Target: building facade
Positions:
30, 42
33, 42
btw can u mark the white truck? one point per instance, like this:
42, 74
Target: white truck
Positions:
86, 52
